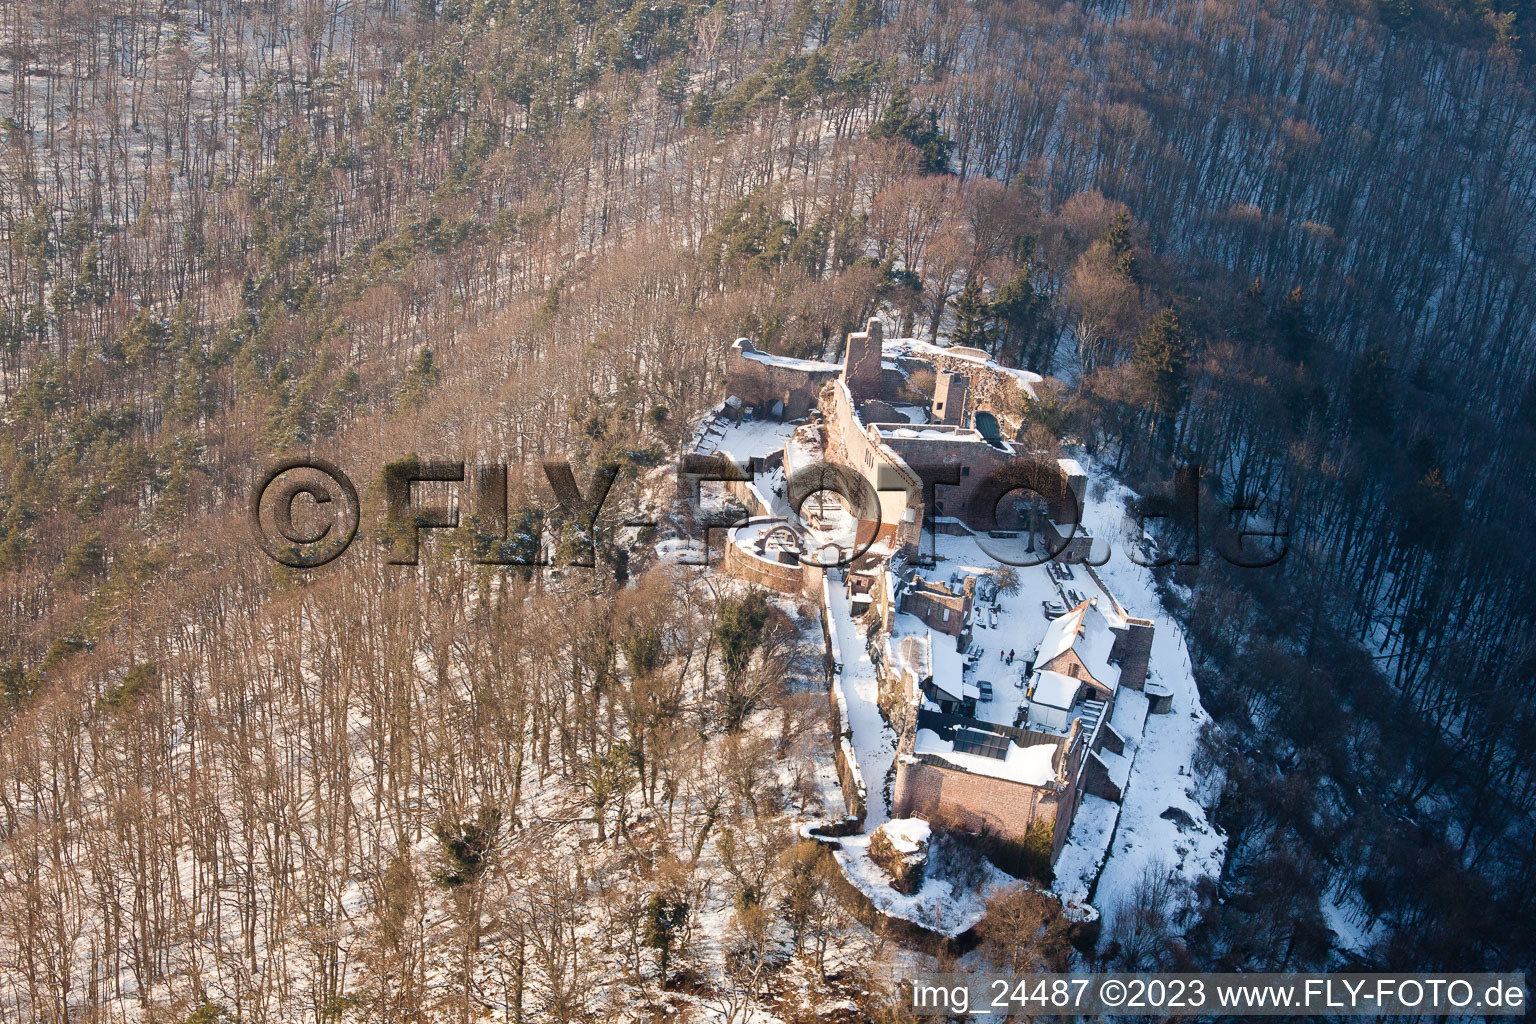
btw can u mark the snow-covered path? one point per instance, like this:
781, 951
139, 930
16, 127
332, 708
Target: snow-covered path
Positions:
938, 905
874, 743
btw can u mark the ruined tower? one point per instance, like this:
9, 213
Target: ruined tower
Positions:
861, 363
949, 393
1065, 501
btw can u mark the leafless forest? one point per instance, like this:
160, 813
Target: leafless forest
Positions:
1294, 243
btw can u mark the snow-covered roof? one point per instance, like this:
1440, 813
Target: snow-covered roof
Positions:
1086, 630
1031, 766
1061, 634
945, 658
1093, 646
1053, 689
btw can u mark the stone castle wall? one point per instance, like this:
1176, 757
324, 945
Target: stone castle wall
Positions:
779, 577
899, 491
861, 362
943, 612
760, 382
986, 387
933, 457
1133, 650
972, 803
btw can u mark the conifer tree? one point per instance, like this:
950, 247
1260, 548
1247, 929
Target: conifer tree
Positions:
973, 318
1293, 328
921, 129
1122, 246
1370, 389
1161, 359
1023, 315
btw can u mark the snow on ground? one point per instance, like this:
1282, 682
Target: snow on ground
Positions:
1083, 855
744, 439
1348, 921
874, 743
907, 835
938, 906
1156, 770
1018, 624
1162, 824
682, 550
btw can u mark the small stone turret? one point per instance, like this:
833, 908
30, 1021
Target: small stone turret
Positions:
949, 394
